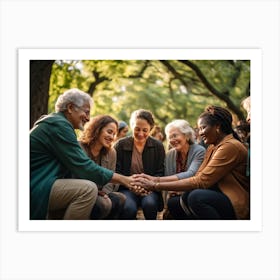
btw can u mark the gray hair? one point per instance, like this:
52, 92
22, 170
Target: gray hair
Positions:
184, 128
246, 104
74, 96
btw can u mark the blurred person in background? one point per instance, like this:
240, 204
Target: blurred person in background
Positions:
122, 130
156, 132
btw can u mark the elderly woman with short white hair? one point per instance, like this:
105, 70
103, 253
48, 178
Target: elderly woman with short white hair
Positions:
181, 161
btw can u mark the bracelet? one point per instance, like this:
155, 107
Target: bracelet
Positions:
155, 186
158, 179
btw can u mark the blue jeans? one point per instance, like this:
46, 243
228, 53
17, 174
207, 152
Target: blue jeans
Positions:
148, 203
202, 204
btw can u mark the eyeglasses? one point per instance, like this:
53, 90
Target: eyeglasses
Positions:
87, 112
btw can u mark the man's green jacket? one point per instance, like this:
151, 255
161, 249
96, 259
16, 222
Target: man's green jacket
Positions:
56, 154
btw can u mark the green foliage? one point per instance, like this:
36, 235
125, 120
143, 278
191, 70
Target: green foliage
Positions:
170, 89
65, 75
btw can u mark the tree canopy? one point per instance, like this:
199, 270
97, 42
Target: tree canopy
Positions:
171, 89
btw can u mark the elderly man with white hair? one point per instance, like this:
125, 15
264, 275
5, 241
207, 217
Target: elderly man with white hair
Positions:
56, 157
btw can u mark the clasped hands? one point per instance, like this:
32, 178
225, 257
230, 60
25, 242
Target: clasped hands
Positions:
142, 184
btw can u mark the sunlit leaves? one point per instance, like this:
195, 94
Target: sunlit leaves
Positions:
122, 86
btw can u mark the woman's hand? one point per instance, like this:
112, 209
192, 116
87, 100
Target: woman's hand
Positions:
145, 176
103, 194
146, 181
138, 190
128, 181
140, 181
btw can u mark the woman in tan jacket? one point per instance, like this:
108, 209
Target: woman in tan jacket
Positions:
220, 189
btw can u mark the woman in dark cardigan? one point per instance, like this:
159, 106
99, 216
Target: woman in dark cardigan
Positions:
137, 154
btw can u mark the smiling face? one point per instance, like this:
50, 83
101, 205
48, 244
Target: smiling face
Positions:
107, 135
178, 140
141, 130
207, 132
78, 116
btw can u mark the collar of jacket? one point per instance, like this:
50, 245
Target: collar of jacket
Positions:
128, 141
228, 137
52, 118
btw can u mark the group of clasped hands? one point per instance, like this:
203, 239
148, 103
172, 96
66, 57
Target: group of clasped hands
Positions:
142, 184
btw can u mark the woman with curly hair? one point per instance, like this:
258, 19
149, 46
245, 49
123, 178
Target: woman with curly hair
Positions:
96, 140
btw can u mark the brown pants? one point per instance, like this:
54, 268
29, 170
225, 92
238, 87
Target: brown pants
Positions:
72, 199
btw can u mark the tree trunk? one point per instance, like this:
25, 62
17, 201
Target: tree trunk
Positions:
40, 72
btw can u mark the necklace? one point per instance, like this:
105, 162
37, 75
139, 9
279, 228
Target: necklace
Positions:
181, 163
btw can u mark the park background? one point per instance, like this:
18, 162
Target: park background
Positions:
147, 24
35, 75
170, 89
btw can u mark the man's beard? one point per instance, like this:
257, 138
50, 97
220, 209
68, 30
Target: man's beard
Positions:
81, 127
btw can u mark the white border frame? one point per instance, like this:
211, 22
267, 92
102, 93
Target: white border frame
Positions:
25, 55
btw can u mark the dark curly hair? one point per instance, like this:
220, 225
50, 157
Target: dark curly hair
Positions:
93, 129
216, 115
